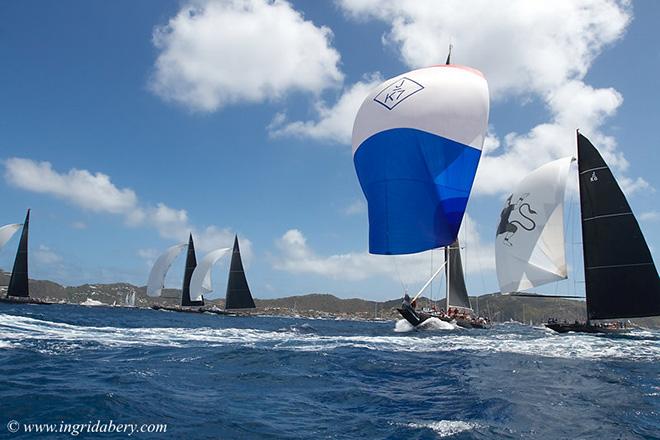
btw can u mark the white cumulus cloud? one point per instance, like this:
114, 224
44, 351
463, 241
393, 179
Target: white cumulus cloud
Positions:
527, 50
296, 256
334, 123
218, 52
96, 192
92, 191
45, 255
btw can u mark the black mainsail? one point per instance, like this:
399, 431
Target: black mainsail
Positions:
238, 292
191, 264
621, 278
18, 283
457, 295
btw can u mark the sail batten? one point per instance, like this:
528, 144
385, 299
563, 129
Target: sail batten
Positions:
620, 276
238, 294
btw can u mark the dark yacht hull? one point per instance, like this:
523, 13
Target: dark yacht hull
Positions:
176, 309
23, 300
416, 318
582, 327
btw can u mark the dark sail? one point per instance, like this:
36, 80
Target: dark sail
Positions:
18, 283
621, 279
238, 291
458, 296
191, 264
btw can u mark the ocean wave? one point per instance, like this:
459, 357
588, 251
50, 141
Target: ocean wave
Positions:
18, 331
431, 324
445, 428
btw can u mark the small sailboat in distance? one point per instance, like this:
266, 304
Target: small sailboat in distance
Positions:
159, 271
621, 280
18, 289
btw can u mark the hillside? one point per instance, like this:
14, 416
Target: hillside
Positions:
498, 307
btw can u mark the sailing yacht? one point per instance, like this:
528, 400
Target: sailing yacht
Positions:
457, 302
18, 289
621, 280
238, 297
160, 268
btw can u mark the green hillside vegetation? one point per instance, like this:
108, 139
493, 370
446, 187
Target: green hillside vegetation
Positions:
499, 308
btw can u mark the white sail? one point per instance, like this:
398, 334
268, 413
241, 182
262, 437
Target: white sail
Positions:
159, 270
7, 231
529, 245
200, 283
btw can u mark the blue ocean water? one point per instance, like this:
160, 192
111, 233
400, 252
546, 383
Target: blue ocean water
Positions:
215, 377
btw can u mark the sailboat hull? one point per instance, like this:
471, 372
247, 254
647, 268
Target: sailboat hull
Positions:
582, 327
176, 309
23, 300
416, 318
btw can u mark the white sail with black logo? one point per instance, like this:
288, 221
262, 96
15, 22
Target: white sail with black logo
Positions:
529, 244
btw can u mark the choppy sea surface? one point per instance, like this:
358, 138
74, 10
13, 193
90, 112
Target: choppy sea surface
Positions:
219, 377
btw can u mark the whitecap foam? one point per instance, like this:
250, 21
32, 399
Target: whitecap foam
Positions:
434, 323
431, 324
445, 428
19, 330
5, 344
403, 326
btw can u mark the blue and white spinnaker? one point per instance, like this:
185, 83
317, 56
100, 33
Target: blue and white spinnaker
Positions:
417, 141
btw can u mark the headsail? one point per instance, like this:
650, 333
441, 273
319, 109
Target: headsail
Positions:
529, 244
18, 283
238, 292
200, 282
7, 232
159, 270
621, 278
417, 141
456, 290
191, 264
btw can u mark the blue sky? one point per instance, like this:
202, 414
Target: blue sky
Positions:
124, 125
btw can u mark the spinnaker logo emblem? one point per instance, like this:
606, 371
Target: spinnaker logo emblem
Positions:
593, 177
397, 92
523, 212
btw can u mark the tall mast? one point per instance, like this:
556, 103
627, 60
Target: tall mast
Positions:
447, 271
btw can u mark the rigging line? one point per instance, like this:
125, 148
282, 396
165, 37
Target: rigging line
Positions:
398, 274
431, 286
